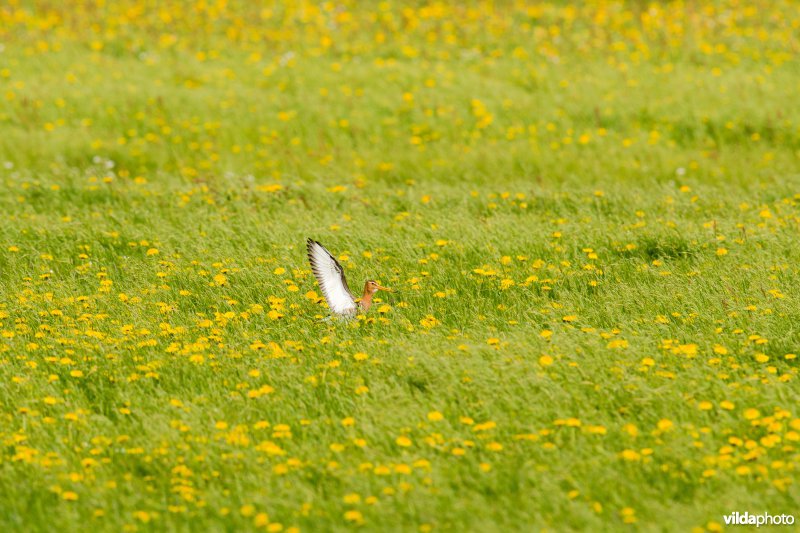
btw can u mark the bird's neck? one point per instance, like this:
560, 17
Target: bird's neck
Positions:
366, 299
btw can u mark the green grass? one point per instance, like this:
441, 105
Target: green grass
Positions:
595, 308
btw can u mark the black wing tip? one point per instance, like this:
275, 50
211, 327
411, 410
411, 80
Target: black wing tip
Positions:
309, 245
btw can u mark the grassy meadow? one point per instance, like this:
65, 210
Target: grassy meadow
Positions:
589, 212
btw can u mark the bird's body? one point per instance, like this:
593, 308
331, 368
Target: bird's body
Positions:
330, 276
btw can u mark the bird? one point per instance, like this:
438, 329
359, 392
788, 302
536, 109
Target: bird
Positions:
330, 275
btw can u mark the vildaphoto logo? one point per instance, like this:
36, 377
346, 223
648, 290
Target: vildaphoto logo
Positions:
763, 519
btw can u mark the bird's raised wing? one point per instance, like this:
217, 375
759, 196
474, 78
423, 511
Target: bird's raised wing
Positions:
330, 275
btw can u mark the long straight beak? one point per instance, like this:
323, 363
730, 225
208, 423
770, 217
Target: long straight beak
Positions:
387, 289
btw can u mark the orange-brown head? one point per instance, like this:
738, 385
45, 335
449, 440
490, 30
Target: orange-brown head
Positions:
370, 288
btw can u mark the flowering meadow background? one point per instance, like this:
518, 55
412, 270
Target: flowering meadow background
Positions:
589, 211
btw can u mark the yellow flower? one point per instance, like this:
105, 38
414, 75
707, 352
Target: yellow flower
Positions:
273, 187
628, 515
429, 321
751, 414
403, 441
630, 455
352, 498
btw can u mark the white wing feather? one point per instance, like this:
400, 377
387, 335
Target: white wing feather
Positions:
330, 275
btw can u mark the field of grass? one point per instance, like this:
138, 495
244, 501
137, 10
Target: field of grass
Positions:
589, 212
